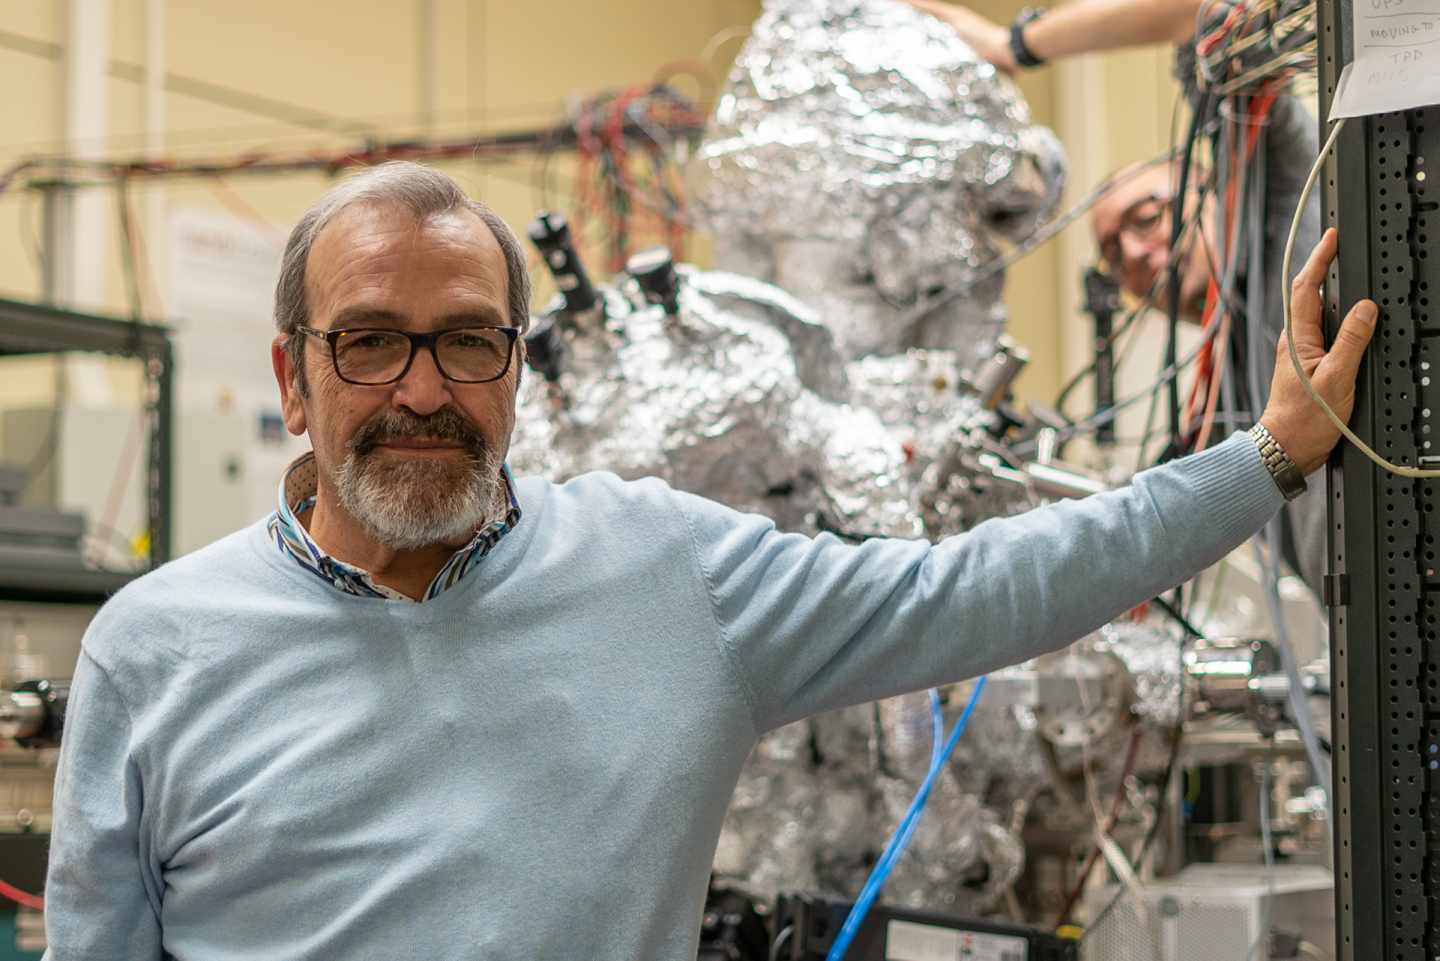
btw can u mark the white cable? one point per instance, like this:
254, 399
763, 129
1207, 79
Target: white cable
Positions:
1268, 841
1400, 469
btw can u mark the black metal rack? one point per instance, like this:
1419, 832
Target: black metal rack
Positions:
27, 328
1385, 585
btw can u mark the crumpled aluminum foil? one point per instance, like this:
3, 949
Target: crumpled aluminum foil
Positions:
1142, 659
1009, 757
712, 400
1151, 654
918, 395
818, 361
863, 157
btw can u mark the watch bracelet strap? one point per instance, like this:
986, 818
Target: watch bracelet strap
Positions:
1282, 469
1024, 56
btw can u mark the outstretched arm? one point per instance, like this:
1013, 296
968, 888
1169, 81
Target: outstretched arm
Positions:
1083, 26
814, 624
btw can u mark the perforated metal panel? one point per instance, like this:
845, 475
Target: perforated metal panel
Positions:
1385, 536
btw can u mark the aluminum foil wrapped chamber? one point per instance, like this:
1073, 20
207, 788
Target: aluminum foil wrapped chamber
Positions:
714, 399
865, 159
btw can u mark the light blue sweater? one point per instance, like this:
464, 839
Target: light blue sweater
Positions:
535, 764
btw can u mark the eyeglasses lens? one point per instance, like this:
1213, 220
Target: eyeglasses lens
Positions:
379, 357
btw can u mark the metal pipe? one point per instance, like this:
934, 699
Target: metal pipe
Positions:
86, 123
153, 117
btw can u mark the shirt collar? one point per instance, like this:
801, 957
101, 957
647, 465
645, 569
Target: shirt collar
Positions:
296, 495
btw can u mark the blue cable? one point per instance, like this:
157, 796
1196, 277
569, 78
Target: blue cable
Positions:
896, 847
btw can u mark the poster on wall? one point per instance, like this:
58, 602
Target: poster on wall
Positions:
222, 280
222, 284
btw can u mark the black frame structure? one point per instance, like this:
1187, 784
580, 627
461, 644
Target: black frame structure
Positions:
1385, 585
27, 328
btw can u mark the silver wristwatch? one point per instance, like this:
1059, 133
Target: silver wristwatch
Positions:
1287, 476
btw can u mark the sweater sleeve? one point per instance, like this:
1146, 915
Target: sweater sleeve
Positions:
813, 624
102, 900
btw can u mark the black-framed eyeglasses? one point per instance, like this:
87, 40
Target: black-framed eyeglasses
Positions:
1140, 221
373, 356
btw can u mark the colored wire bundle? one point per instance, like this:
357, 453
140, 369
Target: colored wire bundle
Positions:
1256, 44
633, 185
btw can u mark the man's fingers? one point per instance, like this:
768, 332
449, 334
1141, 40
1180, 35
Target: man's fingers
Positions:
1343, 361
1305, 290
1313, 273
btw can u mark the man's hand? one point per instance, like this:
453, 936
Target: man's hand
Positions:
1292, 416
988, 39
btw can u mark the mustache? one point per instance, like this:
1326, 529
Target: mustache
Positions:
445, 424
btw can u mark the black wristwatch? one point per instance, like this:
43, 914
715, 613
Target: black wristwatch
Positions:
1023, 55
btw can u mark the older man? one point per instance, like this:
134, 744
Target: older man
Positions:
427, 711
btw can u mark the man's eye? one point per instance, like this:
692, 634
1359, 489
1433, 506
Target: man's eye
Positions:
468, 341
1148, 219
371, 342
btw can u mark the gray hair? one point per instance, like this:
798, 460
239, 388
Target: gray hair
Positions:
422, 191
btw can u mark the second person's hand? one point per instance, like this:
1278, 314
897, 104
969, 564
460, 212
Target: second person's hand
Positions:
987, 38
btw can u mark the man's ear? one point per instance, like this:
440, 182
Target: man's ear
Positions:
520, 364
292, 403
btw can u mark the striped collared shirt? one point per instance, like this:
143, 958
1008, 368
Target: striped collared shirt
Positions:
297, 495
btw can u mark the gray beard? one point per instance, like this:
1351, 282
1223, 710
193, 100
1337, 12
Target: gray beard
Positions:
413, 504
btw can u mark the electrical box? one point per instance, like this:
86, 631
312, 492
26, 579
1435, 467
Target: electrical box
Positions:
1220, 912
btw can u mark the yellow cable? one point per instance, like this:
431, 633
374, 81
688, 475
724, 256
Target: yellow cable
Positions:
1400, 469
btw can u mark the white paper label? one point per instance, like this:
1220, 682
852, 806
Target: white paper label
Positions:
908, 941
1397, 59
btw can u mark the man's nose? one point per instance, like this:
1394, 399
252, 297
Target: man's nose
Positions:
1142, 261
423, 389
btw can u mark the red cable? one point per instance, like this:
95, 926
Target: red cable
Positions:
614, 140
21, 898
1111, 821
1212, 38
1257, 111
1204, 364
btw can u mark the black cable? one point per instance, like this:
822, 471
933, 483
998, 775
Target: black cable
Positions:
780, 939
1025, 449
1177, 225
1175, 615
1133, 315
1141, 463
1084, 373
